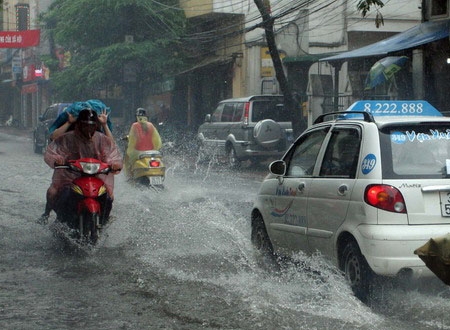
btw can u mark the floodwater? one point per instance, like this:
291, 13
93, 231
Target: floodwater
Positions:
180, 258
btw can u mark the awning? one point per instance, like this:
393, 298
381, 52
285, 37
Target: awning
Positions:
419, 35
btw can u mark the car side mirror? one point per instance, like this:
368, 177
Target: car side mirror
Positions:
41, 117
208, 118
278, 167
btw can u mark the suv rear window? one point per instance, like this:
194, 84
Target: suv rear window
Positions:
415, 151
270, 109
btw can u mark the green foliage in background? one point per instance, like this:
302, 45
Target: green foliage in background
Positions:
94, 32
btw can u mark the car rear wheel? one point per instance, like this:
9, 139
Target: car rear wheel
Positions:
356, 269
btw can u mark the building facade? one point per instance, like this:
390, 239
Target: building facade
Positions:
237, 62
23, 77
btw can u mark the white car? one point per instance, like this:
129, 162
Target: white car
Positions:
365, 189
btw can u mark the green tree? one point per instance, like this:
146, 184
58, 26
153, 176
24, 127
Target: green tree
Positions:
104, 37
364, 6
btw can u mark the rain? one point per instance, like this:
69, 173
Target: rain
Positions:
181, 256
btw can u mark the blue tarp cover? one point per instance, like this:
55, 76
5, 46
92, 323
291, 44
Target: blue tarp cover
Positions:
418, 35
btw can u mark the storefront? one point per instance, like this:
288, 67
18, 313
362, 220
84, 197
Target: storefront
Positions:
427, 73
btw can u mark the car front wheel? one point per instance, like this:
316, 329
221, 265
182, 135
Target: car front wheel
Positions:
37, 149
233, 161
202, 154
356, 269
46, 143
260, 238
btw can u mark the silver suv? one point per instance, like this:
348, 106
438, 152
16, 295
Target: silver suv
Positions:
254, 127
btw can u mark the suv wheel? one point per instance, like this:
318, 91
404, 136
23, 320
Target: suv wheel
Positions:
233, 161
202, 154
356, 269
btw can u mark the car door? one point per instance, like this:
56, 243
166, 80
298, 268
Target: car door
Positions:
208, 130
288, 220
330, 191
224, 126
236, 128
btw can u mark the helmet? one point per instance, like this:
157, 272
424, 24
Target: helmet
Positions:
87, 116
141, 112
87, 123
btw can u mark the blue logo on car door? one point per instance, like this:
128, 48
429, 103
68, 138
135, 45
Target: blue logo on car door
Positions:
368, 163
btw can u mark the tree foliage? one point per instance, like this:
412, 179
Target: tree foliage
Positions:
364, 6
94, 32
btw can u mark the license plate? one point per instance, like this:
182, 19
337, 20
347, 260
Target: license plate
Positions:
445, 203
157, 180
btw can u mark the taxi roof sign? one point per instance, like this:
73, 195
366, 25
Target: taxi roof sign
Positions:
395, 108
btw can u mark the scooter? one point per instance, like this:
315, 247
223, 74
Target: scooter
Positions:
84, 207
148, 169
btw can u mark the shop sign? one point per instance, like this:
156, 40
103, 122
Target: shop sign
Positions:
19, 39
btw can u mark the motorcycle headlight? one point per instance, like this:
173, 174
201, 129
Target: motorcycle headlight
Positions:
90, 168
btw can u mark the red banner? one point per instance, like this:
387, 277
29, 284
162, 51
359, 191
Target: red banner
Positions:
19, 39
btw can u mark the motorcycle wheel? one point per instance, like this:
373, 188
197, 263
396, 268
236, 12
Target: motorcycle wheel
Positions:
89, 227
144, 181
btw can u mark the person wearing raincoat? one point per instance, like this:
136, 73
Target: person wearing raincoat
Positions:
84, 141
64, 123
142, 136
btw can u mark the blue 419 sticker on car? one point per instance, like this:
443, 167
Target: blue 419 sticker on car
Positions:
368, 163
396, 108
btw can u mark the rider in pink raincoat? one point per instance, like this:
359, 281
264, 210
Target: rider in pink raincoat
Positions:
83, 142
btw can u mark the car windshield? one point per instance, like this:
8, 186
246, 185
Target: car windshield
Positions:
415, 151
271, 109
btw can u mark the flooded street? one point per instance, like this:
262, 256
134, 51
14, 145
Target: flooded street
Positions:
180, 258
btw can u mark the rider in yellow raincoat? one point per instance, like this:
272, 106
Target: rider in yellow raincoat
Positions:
143, 136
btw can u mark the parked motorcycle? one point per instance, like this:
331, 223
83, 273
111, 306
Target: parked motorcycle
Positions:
148, 169
85, 206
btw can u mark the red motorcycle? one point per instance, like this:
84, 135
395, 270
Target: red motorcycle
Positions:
84, 206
